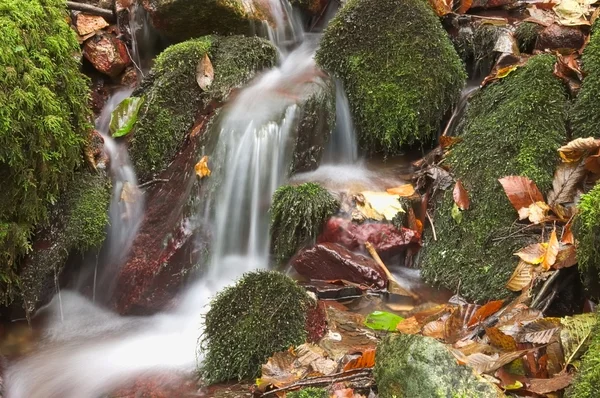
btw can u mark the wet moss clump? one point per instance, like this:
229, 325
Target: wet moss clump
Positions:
400, 97
263, 313
417, 366
297, 216
587, 231
173, 98
526, 35
44, 120
512, 127
584, 115
310, 392
587, 381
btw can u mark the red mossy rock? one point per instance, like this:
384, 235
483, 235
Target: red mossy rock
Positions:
328, 261
107, 54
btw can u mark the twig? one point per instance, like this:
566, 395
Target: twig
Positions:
147, 183
544, 289
324, 380
512, 234
108, 14
393, 285
432, 226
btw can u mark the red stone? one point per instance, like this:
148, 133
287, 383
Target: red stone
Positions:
387, 239
328, 261
107, 54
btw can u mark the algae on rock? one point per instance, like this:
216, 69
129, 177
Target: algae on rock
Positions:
297, 216
513, 127
586, 228
416, 366
45, 121
173, 98
398, 66
263, 313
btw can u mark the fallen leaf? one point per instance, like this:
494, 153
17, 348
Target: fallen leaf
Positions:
510, 381
205, 73
379, 205
465, 5
434, 329
575, 335
533, 254
546, 386
403, 190
567, 236
366, 360
461, 196
485, 311
578, 148
124, 117
88, 24
521, 191
566, 257
441, 7
457, 323
521, 277
381, 320
551, 251
536, 212
413, 222
500, 340
409, 326
201, 167
447, 141
483, 363
592, 162
572, 12
567, 178
540, 331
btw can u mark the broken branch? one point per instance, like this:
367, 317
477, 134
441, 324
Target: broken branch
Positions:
93, 10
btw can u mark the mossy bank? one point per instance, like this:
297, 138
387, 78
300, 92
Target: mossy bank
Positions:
173, 98
587, 231
45, 121
513, 127
401, 97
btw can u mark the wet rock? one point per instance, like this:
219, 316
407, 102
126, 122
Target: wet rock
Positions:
557, 36
312, 7
107, 54
330, 261
417, 366
129, 77
386, 238
87, 24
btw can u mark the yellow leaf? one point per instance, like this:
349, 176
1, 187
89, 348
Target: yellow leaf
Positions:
402, 190
201, 168
503, 72
379, 205
551, 251
532, 254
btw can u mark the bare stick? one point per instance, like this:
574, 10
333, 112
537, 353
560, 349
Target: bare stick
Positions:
108, 14
152, 182
544, 289
432, 226
357, 374
393, 285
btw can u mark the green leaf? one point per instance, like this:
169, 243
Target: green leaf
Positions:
380, 320
575, 335
124, 116
456, 214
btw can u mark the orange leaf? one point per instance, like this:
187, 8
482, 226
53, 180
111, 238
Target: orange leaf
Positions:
500, 340
366, 360
567, 236
521, 191
521, 277
485, 311
201, 167
461, 196
441, 7
551, 251
409, 326
402, 190
533, 254
465, 5
447, 141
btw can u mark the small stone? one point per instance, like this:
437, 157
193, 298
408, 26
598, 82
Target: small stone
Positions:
556, 36
87, 24
107, 54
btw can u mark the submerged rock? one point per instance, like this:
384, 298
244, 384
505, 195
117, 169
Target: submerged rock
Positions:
512, 127
394, 98
330, 261
107, 54
417, 366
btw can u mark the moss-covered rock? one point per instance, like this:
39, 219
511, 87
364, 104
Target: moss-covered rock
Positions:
513, 127
475, 45
297, 216
584, 115
180, 20
398, 67
526, 35
587, 231
310, 392
173, 98
44, 119
587, 381
416, 366
263, 313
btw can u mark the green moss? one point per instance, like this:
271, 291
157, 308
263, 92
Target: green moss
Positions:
264, 313
416, 366
398, 67
173, 98
310, 392
584, 115
297, 216
43, 118
526, 35
587, 231
512, 127
587, 381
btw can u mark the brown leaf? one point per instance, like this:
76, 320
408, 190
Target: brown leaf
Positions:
434, 329
403, 190
521, 277
567, 178
88, 24
536, 212
545, 386
576, 149
540, 331
485, 311
465, 5
567, 236
500, 340
521, 191
409, 326
566, 257
592, 162
457, 322
533, 254
551, 251
483, 363
461, 196
366, 360
201, 168
441, 7
509, 381
447, 141
205, 73
556, 357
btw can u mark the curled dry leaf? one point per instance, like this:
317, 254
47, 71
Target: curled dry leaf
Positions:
465, 5
521, 191
521, 277
405, 190
366, 360
483, 363
205, 73
592, 162
567, 236
201, 168
536, 212
567, 179
457, 322
575, 150
551, 251
441, 7
461, 196
434, 329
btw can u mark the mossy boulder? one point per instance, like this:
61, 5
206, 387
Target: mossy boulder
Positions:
416, 366
587, 381
512, 127
297, 216
587, 231
526, 35
180, 20
45, 121
173, 98
398, 67
584, 115
263, 313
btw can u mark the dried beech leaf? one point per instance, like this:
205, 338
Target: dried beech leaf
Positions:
485, 311
567, 257
366, 360
551, 251
545, 386
461, 196
567, 178
403, 190
458, 321
409, 326
205, 74
536, 212
567, 236
441, 7
465, 5
482, 363
540, 331
500, 340
521, 277
434, 329
533, 254
521, 191
592, 163
201, 168
576, 149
